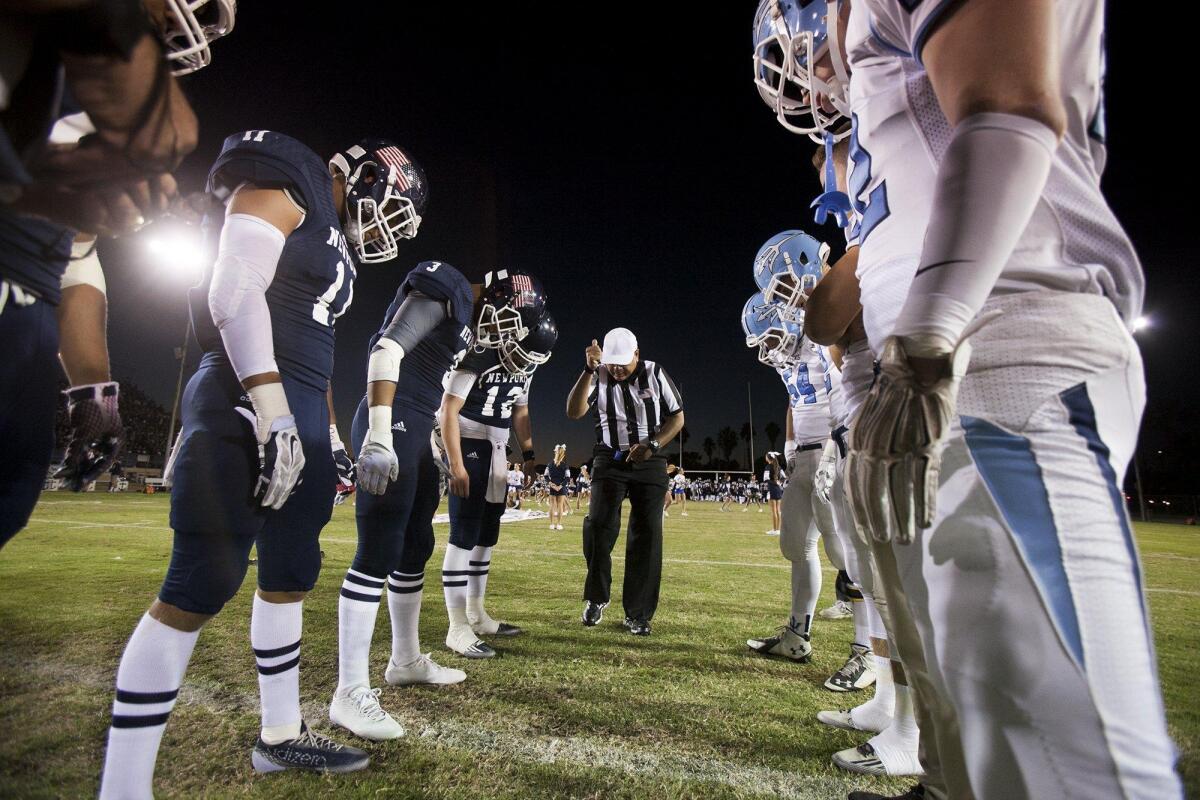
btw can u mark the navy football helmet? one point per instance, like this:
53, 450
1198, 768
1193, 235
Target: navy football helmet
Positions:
386, 194
777, 336
510, 307
189, 26
788, 267
524, 356
790, 36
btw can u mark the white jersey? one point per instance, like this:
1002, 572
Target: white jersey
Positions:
809, 385
679, 482
1073, 242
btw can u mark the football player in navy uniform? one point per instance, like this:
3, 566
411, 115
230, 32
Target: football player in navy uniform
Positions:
436, 317
254, 465
108, 59
484, 398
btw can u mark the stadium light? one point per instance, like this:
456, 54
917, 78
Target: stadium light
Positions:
1141, 323
180, 249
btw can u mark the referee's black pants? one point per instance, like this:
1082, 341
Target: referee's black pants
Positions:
645, 485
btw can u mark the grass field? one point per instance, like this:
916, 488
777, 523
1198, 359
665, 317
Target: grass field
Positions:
565, 711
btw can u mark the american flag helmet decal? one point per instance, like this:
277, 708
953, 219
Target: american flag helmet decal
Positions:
395, 159
524, 290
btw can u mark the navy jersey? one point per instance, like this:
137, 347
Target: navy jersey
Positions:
33, 251
314, 279
491, 399
419, 387
558, 474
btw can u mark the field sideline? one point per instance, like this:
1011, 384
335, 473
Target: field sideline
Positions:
565, 711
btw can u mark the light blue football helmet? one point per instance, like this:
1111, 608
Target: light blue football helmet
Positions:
790, 36
778, 338
788, 267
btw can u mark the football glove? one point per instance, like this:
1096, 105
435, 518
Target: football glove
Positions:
280, 454
826, 473
96, 434
344, 465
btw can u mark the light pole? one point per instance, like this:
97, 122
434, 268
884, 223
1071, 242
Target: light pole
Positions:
187, 333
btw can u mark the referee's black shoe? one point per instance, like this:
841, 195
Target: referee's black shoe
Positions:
593, 613
638, 627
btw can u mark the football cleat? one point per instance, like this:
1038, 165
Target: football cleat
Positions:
593, 612
857, 673
862, 759
462, 640
839, 610
844, 719
309, 751
638, 627
359, 712
494, 627
786, 643
423, 670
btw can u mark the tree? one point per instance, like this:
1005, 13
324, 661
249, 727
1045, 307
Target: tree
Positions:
709, 446
747, 435
684, 435
727, 440
772, 430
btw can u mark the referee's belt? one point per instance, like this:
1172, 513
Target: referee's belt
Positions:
839, 436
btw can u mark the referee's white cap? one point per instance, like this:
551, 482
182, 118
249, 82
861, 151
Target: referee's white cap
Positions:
619, 346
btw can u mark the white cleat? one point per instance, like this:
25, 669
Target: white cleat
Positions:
560, 527
462, 640
423, 670
684, 514
786, 643
358, 711
844, 719
839, 610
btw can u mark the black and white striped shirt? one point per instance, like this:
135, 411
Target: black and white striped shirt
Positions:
649, 392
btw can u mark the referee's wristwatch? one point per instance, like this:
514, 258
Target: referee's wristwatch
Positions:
654, 445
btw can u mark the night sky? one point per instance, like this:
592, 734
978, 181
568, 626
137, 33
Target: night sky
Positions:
629, 163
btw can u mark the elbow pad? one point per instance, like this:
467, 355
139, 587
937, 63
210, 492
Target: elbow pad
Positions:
248, 254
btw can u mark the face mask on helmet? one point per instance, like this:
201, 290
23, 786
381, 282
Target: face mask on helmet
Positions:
525, 356
790, 37
776, 337
509, 308
788, 267
188, 27
385, 196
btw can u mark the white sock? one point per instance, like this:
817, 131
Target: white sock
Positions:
404, 607
897, 745
481, 564
275, 631
862, 622
806, 588
455, 576
357, 607
876, 714
148, 681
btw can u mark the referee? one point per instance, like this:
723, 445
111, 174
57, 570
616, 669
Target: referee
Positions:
637, 411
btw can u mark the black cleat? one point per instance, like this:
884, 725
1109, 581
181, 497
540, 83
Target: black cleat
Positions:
915, 793
638, 627
310, 751
505, 629
593, 613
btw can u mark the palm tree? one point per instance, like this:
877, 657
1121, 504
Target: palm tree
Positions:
709, 446
727, 440
772, 430
747, 435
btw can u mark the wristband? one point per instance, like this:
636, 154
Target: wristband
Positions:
527, 455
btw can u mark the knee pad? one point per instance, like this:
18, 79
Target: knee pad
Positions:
205, 572
418, 547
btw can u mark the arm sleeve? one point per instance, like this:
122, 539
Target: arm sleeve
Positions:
672, 400
460, 383
416, 317
247, 256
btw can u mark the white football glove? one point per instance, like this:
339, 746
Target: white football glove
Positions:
280, 454
826, 472
789, 457
377, 462
896, 445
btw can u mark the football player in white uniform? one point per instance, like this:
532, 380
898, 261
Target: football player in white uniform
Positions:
996, 466
804, 370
